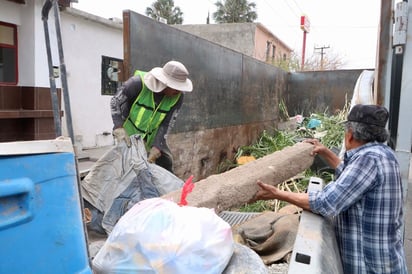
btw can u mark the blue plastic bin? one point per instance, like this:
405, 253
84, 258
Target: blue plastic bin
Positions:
41, 226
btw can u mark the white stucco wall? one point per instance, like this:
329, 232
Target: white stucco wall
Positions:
10, 12
28, 40
85, 39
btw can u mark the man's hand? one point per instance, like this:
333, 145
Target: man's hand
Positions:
266, 192
318, 147
120, 134
153, 155
332, 159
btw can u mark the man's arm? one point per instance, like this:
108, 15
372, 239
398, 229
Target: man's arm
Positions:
269, 192
166, 125
122, 101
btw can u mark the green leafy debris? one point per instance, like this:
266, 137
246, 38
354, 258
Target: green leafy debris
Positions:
329, 131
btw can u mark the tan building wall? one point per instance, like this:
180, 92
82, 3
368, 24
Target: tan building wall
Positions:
268, 47
251, 39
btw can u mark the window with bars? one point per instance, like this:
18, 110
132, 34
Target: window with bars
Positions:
273, 53
111, 74
268, 43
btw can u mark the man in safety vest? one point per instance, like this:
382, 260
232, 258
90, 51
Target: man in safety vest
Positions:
147, 104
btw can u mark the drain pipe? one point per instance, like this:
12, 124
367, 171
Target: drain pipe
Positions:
46, 8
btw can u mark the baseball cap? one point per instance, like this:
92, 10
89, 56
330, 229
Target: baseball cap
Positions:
369, 114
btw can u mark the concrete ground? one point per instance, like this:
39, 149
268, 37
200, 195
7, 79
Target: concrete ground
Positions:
87, 158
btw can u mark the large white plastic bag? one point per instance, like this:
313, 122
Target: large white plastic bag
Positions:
159, 236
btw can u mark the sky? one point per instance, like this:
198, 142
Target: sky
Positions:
344, 28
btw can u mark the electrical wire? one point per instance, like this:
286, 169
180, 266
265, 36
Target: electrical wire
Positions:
297, 5
276, 11
291, 9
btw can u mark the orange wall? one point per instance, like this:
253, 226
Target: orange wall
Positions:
261, 38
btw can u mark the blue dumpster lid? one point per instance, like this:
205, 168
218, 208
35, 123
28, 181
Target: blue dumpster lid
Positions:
60, 144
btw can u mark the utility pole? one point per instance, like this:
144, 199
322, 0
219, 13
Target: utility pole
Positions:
322, 52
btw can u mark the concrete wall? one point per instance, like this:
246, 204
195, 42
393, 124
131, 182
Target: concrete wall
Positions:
235, 96
248, 38
239, 37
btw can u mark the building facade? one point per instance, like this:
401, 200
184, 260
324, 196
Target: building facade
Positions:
251, 39
90, 45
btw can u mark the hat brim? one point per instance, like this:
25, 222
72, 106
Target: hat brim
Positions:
158, 73
152, 83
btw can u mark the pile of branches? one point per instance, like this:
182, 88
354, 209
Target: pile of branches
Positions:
327, 128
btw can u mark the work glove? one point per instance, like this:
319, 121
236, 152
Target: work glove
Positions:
153, 155
120, 134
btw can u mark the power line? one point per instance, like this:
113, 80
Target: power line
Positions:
275, 11
296, 4
346, 27
287, 3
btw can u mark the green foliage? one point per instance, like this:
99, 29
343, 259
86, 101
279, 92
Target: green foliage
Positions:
258, 206
283, 111
332, 61
226, 165
325, 175
267, 144
291, 63
165, 9
235, 11
330, 133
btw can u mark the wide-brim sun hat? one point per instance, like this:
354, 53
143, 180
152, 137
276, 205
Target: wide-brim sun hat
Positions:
173, 74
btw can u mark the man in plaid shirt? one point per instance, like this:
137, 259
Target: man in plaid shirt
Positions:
366, 199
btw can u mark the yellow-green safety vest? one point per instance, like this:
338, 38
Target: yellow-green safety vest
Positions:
144, 116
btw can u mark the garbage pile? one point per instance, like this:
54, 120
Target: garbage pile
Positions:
150, 234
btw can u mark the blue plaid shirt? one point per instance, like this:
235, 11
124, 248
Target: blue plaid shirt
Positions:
366, 204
